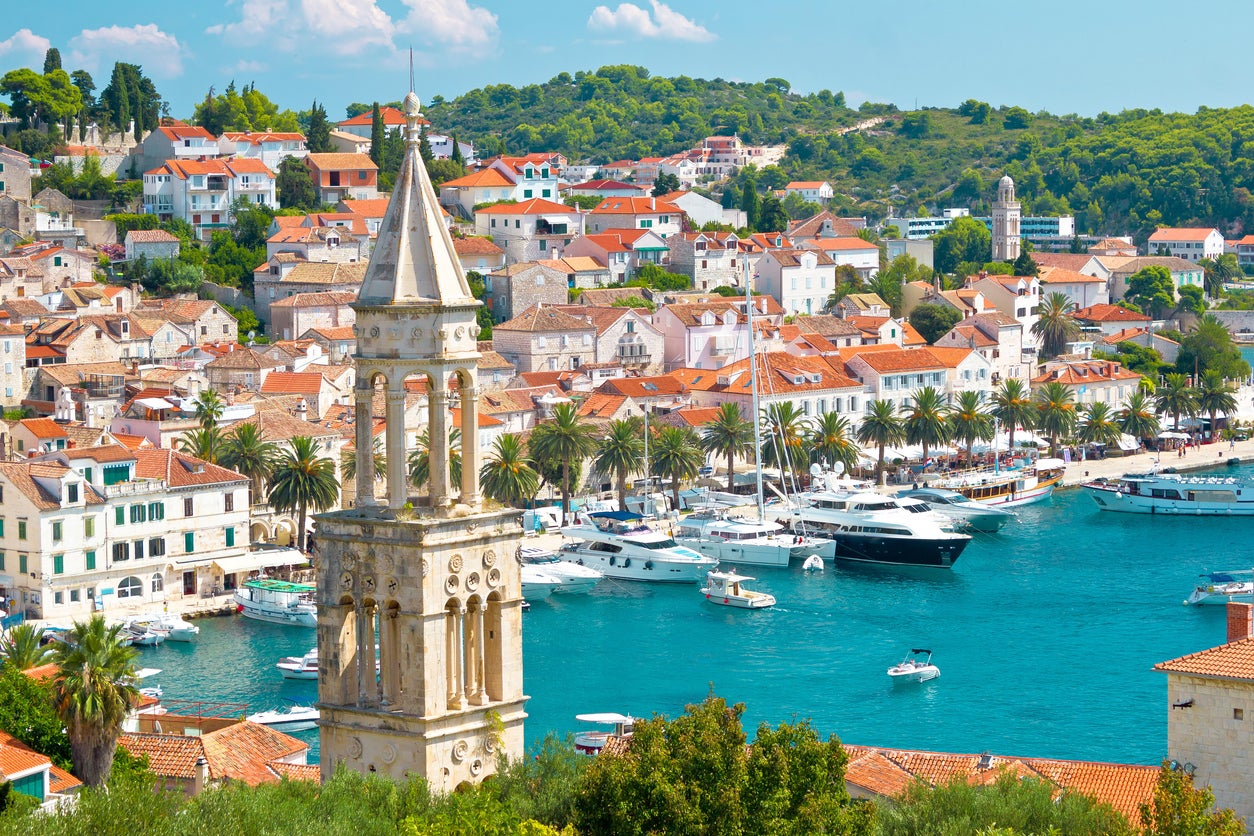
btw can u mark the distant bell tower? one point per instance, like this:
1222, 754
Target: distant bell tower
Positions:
1006, 216
435, 577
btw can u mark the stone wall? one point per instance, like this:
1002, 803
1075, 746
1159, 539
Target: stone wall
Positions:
1215, 734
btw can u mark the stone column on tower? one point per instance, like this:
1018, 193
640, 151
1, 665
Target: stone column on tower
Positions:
398, 491
363, 417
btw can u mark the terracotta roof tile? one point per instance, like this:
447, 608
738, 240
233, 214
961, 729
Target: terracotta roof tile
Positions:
1109, 313
1181, 234
349, 274
169, 755
340, 162
43, 428
293, 383
180, 470
601, 405
151, 236
636, 206
331, 298
486, 178
476, 245
538, 318
534, 206
792, 258
1062, 275
1234, 660
243, 751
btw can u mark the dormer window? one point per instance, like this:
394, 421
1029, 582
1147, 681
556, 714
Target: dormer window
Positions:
71, 493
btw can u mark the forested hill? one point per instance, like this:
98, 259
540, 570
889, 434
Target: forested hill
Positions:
1120, 173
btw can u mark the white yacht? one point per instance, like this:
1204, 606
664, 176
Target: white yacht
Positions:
1173, 493
1222, 587
176, 629
736, 540
281, 602
591, 742
976, 516
299, 667
876, 529
538, 584
728, 589
574, 578
291, 719
617, 544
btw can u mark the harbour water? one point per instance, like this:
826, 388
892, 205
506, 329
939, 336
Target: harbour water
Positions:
1045, 635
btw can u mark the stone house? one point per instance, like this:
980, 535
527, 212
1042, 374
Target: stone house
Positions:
151, 244
338, 343
999, 338
292, 316
625, 337
96, 338
318, 393
240, 368
712, 259
834, 329
622, 251
545, 339
318, 243
276, 283
12, 365
204, 320
514, 289
533, 229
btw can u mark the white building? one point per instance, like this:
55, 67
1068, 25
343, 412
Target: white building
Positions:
201, 192
815, 191
664, 219
800, 280
270, 148
1006, 216
1190, 243
712, 333
862, 256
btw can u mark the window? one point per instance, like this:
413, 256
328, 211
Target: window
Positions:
75, 595
526, 193
1, 526
156, 510
57, 597
139, 550
156, 547
157, 582
90, 557
230, 537
119, 516
631, 329
121, 551
21, 529
56, 531
130, 588
139, 514
58, 564
187, 507
1, 561
21, 564
189, 542
229, 501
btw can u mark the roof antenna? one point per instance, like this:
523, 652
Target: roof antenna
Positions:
411, 68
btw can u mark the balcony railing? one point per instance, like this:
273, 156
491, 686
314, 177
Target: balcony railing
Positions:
143, 486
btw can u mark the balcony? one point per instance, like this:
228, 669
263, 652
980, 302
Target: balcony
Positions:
138, 488
206, 150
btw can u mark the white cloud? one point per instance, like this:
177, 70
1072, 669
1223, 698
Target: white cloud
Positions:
664, 22
24, 45
349, 27
259, 19
159, 53
452, 23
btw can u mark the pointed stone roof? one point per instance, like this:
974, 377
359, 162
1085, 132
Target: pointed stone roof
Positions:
414, 261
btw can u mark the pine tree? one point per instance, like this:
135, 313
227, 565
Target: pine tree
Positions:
456, 155
318, 136
52, 60
376, 136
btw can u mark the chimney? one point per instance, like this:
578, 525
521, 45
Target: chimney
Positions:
200, 780
302, 409
1240, 621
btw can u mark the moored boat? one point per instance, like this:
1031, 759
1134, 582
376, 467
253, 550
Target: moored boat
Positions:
591, 742
574, 578
299, 667
280, 602
1173, 493
176, 629
617, 544
976, 516
1222, 587
916, 667
290, 719
728, 539
727, 589
1010, 487
537, 584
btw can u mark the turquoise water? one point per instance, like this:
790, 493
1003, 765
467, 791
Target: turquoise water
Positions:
1045, 636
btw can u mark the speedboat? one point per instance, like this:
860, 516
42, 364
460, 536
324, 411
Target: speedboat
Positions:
619, 545
727, 590
870, 528
1222, 587
144, 636
281, 602
1173, 493
176, 629
713, 532
299, 667
537, 584
976, 516
290, 719
591, 742
574, 578
916, 667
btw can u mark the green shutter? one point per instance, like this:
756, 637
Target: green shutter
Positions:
119, 515
1, 526
91, 560
189, 542
21, 564
58, 564
32, 785
1, 561
230, 537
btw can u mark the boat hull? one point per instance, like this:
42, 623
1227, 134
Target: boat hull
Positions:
892, 551
295, 618
739, 602
182, 634
537, 591
1109, 499
646, 570
774, 555
576, 585
1009, 493
289, 673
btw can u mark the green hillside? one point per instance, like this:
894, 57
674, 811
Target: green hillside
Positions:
1120, 173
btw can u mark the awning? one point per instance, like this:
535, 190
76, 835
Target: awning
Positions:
254, 561
155, 403
1127, 442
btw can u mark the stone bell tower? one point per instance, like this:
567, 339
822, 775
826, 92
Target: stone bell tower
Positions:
436, 582
1006, 217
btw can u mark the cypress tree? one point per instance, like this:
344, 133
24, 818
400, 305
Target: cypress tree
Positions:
749, 202
457, 156
318, 137
376, 136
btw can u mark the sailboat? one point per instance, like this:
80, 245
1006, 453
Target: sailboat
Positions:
757, 542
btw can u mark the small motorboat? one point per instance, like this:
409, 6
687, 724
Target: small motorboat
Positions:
592, 741
290, 719
176, 629
299, 667
144, 636
727, 589
537, 584
813, 563
574, 578
1222, 587
916, 667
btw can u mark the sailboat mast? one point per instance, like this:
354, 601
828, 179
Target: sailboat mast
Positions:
753, 387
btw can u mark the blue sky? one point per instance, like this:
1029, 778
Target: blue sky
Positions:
1064, 56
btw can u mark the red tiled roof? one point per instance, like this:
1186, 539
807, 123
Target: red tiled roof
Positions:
485, 178
391, 117
537, 318
1062, 275
534, 206
243, 751
1086, 372
293, 383
644, 387
1179, 233
180, 470
601, 405
43, 427
341, 162
169, 755
898, 359
151, 236
636, 206
1109, 313
475, 245
1234, 660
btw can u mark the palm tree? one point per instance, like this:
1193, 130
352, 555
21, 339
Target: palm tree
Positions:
676, 453
203, 443
831, 438
506, 475
969, 420
1139, 418
420, 460
1055, 412
1214, 395
925, 423
301, 480
93, 691
881, 426
728, 434
22, 647
245, 451
1055, 327
1176, 397
784, 442
348, 461
1012, 406
560, 441
621, 453
209, 408
1099, 425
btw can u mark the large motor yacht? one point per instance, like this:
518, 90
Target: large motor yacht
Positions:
1172, 493
619, 545
976, 516
713, 532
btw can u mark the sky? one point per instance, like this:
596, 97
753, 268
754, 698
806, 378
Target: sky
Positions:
1063, 56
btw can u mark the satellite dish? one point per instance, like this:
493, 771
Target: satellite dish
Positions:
838, 468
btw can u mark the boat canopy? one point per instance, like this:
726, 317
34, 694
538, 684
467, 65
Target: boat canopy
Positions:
605, 717
920, 650
621, 516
